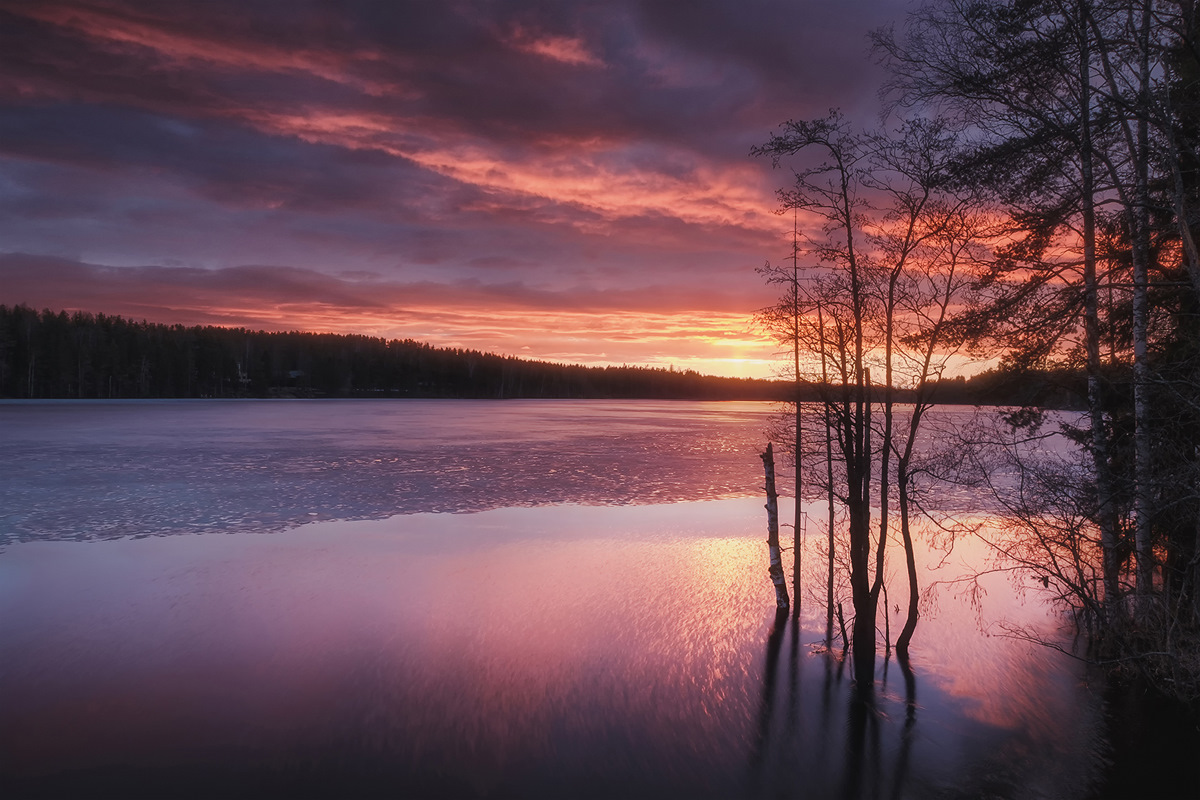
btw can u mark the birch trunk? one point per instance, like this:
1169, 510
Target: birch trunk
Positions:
1141, 369
776, 568
796, 522
1099, 435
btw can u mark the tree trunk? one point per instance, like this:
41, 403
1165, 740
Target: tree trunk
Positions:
863, 595
829, 479
1142, 500
776, 568
1099, 444
797, 526
910, 563
796, 522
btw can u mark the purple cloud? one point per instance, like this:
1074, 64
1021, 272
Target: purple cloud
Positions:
585, 157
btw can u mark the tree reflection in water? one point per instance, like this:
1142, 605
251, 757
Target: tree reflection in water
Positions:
910, 722
788, 758
766, 709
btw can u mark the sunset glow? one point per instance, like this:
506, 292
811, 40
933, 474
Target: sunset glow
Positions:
570, 186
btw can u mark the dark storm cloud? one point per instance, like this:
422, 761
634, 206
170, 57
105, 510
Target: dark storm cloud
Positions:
811, 49
668, 71
228, 164
677, 72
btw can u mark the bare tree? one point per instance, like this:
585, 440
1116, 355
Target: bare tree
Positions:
1018, 77
882, 293
831, 190
1083, 117
784, 320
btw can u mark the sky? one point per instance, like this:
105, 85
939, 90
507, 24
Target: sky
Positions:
566, 181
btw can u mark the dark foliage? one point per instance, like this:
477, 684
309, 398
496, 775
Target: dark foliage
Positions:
51, 354
80, 355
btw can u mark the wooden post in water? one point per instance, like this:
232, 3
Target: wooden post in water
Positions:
776, 568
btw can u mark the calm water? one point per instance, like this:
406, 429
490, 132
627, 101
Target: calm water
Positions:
216, 599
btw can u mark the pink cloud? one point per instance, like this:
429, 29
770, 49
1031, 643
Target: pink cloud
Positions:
569, 50
572, 179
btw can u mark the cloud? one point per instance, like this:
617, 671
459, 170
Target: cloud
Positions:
585, 158
668, 324
32, 279
570, 50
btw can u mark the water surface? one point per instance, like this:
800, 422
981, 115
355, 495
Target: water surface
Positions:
86, 470
255, 599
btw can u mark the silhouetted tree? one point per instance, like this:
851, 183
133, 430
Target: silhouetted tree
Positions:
892, 259
1084, 120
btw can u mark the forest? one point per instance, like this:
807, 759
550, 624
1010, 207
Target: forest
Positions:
51, 354
81, 355
1034, 197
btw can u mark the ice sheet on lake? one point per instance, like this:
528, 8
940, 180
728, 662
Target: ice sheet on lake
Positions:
102, 470
85, 470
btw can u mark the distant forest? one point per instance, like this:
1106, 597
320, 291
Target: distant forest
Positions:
51, 354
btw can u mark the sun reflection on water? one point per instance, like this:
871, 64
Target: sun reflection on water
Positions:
569, 650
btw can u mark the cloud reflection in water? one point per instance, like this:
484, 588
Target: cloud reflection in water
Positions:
598, 651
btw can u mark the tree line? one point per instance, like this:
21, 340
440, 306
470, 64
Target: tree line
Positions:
1035, 194
80, 355
51, 354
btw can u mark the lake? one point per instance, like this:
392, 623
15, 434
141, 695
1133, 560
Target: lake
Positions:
492, 599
